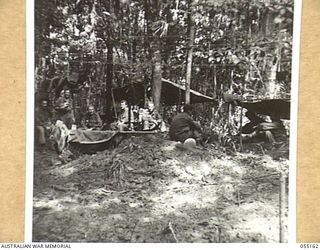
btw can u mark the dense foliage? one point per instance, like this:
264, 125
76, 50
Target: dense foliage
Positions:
240, 47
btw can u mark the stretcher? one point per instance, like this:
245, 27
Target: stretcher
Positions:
91, 141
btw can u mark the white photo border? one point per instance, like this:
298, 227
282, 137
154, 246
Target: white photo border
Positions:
293, 150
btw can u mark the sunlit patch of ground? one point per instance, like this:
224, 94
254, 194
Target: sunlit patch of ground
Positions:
156, 192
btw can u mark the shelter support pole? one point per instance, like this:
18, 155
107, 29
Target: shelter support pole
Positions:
282, 207
114, 104
241, 118
241, 114
214, 80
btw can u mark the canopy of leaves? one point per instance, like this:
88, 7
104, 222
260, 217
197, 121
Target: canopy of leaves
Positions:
239, 46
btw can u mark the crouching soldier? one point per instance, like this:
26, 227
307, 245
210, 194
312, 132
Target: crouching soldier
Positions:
183, 126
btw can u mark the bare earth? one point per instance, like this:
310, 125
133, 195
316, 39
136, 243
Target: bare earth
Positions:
148, 190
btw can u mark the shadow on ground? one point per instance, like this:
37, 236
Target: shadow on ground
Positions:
147, 190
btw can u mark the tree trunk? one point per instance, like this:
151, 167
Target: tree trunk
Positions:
215, 81
156, 76
267, 25
147, 33
190, 52
270, 84
134, 41
109, 79
152, 16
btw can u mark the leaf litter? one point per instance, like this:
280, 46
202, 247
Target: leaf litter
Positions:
149, 190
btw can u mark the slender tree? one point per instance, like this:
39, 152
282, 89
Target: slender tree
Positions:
191, 28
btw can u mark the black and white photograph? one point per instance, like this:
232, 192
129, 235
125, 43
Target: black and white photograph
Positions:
163, 121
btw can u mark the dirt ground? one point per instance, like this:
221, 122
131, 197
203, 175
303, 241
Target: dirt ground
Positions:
149, 190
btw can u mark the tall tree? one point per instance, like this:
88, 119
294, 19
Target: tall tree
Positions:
157, 30
191, 28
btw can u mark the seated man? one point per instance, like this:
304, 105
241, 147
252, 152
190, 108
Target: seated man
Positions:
64, 108
42, 122
91, 120
123, 119
183, 126
252, 125
261, 130
151, 118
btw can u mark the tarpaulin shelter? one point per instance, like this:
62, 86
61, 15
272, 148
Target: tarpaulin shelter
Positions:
273, 107
171, 93
277, 108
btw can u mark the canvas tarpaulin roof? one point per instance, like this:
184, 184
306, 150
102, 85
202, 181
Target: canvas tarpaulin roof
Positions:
273, 107
171, 94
